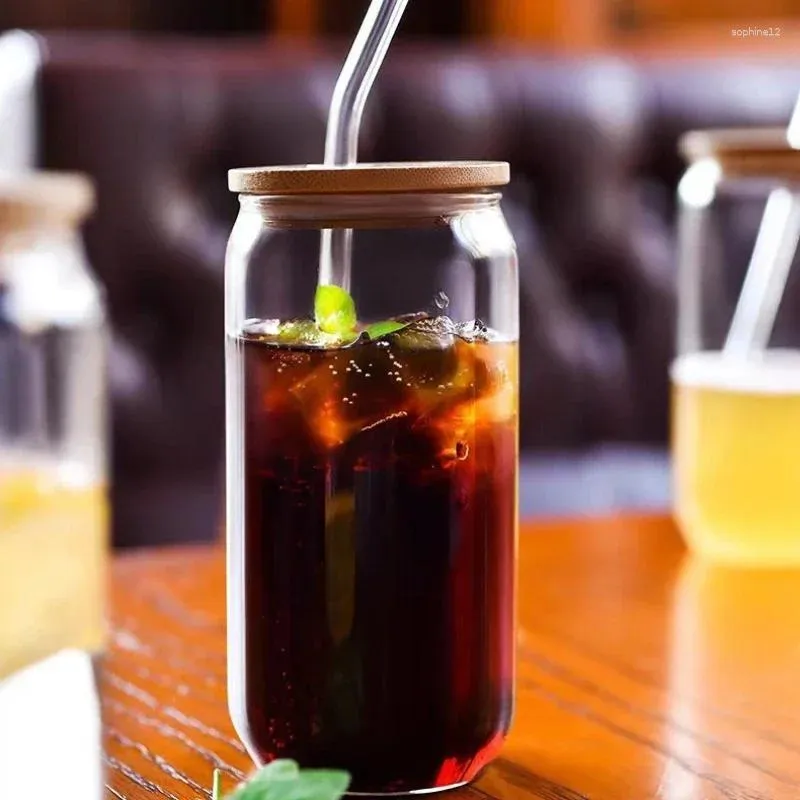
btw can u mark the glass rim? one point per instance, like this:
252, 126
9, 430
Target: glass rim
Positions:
390, 210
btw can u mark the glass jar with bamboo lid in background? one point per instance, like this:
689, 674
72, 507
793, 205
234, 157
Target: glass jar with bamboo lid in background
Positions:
53, 528
736, 379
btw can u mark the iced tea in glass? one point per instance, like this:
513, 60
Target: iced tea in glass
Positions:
372, 525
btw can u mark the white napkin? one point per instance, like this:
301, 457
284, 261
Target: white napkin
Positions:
50, 731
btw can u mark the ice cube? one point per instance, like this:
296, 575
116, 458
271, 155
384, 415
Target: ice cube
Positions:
318, 396
297, 333
444, 378
476, 331
354, 389
434, 333
480, 393
497, 406
498, 397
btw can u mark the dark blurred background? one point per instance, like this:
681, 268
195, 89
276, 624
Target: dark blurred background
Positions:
585, 98
572, 24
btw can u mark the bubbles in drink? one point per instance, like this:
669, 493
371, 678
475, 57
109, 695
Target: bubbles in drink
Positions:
441, 300
350, 390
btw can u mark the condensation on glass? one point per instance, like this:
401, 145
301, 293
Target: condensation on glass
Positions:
372, 478
53, 521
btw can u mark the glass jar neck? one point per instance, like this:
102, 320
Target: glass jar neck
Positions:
366, 210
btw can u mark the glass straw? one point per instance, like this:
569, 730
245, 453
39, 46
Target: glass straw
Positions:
765, 279
344, 121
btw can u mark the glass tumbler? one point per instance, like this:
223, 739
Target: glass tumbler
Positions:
736, 378
53, 521
372, 470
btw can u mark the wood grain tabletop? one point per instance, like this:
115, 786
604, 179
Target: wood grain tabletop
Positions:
641, 674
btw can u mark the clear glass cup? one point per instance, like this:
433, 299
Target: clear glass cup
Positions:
736, 397
53, 520
372, 472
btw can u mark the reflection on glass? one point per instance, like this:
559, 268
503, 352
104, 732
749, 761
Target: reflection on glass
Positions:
735, 663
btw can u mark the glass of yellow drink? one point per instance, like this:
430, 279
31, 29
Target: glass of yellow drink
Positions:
736, 451
53, 541
736, 378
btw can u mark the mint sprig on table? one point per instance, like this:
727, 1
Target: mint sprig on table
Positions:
335, 313
284, 780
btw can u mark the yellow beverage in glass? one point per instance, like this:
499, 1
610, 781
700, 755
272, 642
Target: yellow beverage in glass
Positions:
736, 456
53, 546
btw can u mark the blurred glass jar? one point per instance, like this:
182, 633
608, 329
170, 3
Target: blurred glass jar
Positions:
736, 379
53, 520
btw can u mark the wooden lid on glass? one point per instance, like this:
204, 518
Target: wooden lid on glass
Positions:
383, 178
745, 151
46, 198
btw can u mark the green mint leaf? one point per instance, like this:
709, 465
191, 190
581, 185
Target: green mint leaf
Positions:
316, 784
284, 780
282, 769
334, 310
216, 789
378, 329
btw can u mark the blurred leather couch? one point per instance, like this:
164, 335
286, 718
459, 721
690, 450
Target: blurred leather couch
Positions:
592, 143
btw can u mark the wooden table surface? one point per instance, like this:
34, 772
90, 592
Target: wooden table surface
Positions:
641, 674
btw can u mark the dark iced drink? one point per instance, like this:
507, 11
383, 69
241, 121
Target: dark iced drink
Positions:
379, 530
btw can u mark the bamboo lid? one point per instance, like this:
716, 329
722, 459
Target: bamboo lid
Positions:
744, 151
422, 176
31, 198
